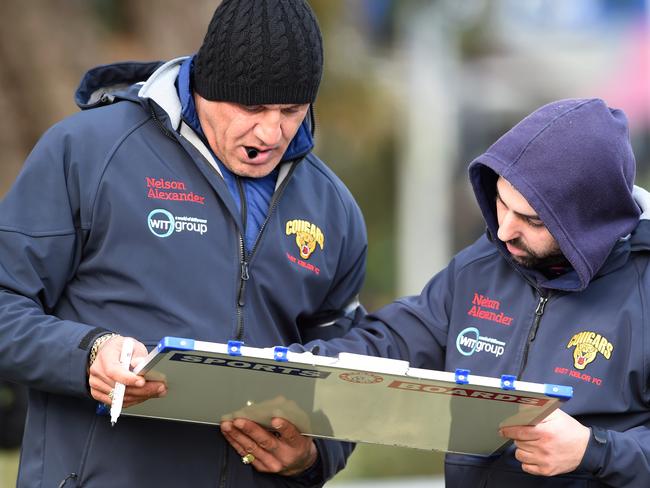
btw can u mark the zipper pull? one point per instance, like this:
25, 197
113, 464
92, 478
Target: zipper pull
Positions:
244, 271
244, 278
539, 311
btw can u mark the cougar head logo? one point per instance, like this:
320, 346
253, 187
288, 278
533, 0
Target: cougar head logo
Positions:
583, 354
306, 243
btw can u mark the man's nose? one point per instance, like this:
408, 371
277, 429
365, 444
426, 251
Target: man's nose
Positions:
509, 227
269, 128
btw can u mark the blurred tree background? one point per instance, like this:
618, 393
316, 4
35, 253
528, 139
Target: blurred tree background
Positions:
413, 90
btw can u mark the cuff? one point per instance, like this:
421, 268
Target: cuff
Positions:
313, 476
594, 457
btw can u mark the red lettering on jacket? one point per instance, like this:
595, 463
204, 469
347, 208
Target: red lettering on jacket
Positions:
161, 189
484, 307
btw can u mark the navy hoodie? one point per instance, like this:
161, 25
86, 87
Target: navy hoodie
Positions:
587, 328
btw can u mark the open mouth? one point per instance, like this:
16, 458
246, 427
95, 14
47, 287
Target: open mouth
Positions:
254, 152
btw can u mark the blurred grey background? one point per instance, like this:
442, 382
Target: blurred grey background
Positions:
413, 90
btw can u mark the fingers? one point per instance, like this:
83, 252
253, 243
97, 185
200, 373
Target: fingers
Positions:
533, 469
287, 431
252, 437
283, 450
530, 458
555, 446
531, 464
99, 385
132, 396
107, 370
140, 353
107, 366
247, 437
101, 397
521, 433
151, 389
524, 457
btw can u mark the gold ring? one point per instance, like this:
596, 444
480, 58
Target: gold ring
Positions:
111, 393
248, 459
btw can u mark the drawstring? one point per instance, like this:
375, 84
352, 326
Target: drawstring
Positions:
71, 476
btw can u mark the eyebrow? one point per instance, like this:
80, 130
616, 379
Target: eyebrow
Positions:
530, 217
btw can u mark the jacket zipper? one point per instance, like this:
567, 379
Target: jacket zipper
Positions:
539, 311
245, 258
160, 124
243, 278
71, 476
243, 262
224, 468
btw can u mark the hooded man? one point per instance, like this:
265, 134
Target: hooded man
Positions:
561, 280
184, 201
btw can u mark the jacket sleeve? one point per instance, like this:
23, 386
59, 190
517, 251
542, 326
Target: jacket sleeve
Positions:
332, 457
619, 459
413, 328
622, 458
341, 304
40, 241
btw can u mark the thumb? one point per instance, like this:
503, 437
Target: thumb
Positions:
139, 356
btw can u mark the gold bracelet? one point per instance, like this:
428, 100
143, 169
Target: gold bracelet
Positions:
96, 345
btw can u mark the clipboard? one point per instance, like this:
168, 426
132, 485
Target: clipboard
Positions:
352, 397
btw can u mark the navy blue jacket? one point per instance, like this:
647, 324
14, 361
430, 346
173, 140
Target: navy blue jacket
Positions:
588, 328
120, 221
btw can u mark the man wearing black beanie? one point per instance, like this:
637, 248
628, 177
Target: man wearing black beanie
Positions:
260, 51
184, 200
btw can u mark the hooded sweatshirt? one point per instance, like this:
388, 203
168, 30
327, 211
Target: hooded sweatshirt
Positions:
586, 328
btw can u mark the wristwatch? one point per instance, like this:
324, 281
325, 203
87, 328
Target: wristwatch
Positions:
96, 345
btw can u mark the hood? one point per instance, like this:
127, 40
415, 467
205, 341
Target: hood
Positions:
103, 84
573, 162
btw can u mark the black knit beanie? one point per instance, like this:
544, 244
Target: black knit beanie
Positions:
260, 52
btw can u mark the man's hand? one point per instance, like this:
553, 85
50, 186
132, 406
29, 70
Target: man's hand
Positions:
283, 451
554, 446
106, 370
